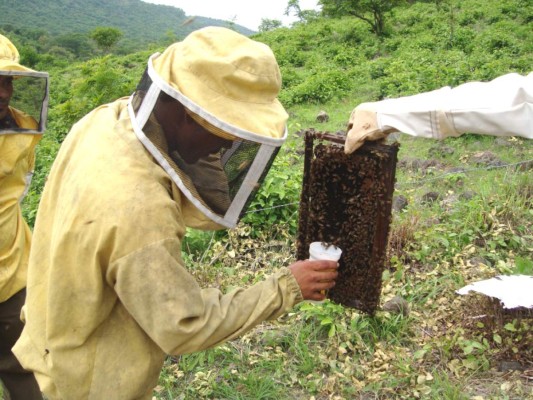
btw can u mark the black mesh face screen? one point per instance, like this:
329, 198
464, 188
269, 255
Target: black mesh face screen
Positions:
217, 179
24, 98
145, 82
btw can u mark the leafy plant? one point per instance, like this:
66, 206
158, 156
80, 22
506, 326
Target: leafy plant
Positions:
372, 12
523, 266
106, 37
277, 199
481, 225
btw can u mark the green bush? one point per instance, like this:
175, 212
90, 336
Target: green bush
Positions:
277, 200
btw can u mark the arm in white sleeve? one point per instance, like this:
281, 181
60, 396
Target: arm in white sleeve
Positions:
502, 107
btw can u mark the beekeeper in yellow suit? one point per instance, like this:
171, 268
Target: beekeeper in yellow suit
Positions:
501, 107
23, 105
108, 293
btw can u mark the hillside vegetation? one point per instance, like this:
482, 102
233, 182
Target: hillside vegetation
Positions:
426, 46
466, 215
56, 24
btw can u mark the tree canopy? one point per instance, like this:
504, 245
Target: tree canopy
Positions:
106, 37
269, 24
373, 12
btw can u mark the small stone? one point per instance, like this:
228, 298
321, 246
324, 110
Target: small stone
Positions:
502, 142
467, 195
430, 197
397, 305
476, 261
487, 158
506, 366
399, 203
322, 116
441, 151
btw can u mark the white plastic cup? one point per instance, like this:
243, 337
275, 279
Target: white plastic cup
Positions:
322, 251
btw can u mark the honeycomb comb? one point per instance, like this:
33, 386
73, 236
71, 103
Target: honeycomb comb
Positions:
346, 200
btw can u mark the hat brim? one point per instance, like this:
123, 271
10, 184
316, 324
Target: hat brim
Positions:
6, 65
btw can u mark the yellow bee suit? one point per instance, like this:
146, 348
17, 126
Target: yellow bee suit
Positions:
108, 292
17, 161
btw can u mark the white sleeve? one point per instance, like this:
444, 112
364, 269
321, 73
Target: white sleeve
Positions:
502, 107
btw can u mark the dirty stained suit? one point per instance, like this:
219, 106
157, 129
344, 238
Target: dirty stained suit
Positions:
109, 294
17, 162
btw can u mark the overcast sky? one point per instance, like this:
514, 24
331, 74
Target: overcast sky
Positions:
247, 13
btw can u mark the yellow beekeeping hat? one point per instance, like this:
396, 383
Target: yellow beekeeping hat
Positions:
230, 76
9, 57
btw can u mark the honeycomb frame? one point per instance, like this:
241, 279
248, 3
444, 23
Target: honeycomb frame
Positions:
346, 201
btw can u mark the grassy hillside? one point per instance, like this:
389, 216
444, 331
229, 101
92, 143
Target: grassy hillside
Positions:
142, 23
467, 216
427, 46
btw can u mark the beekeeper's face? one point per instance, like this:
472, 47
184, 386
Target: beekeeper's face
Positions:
186, 136
6, 91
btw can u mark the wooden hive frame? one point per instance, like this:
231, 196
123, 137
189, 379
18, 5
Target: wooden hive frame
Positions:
346, 200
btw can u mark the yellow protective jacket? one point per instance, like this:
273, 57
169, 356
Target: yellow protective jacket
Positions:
108, 292
17, 160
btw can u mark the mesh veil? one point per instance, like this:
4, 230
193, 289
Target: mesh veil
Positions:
221, 183
28, 104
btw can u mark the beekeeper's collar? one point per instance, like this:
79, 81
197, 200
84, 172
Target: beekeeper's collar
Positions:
228, 83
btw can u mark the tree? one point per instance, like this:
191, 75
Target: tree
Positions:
29, 56
371, 11
171, 37
293, 6
77, 43
269, 24
106, 37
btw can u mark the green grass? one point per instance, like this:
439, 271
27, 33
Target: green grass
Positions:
480, 226
327, 351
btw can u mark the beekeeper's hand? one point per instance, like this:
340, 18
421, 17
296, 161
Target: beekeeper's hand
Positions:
363, 125
315, 277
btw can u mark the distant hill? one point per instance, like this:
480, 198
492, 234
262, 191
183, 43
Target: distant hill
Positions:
141, 22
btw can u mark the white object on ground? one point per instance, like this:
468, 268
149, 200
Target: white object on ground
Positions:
513, 290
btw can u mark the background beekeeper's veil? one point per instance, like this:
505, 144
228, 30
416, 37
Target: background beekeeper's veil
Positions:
228, 84
29, 101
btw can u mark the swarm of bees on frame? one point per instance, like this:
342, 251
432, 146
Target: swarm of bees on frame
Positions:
347, 201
